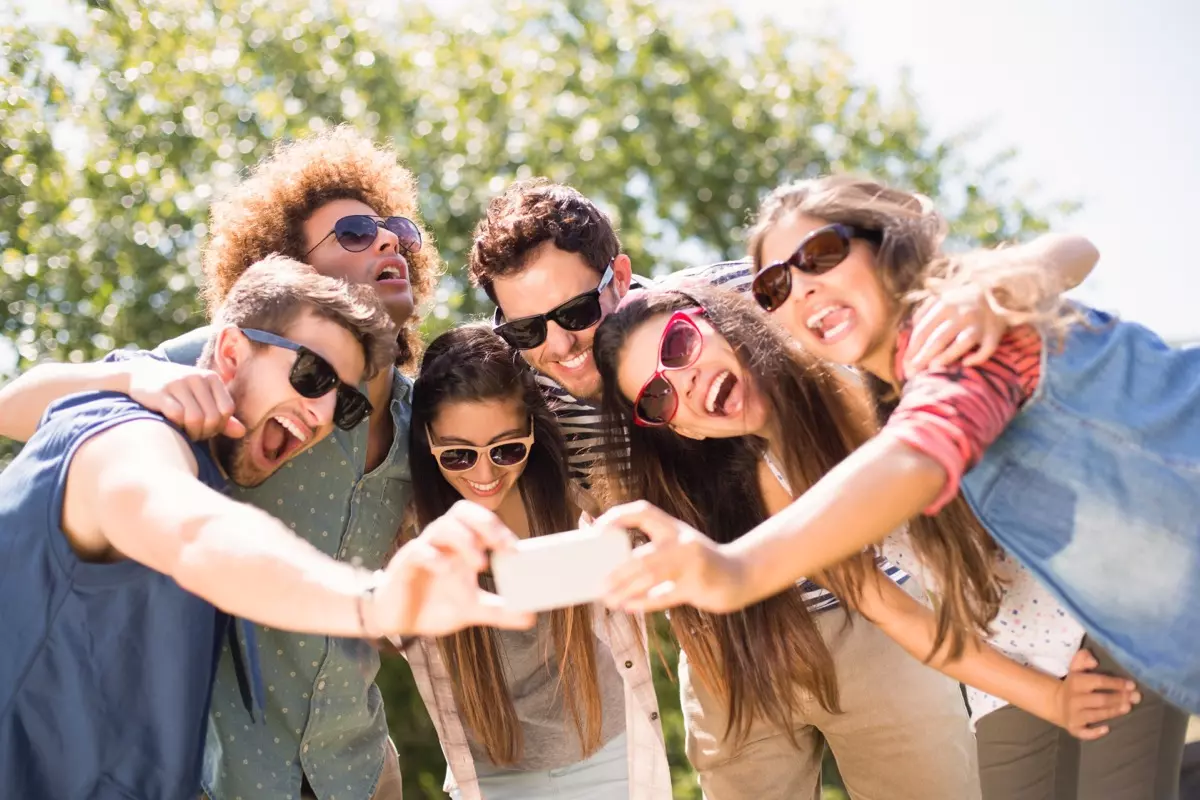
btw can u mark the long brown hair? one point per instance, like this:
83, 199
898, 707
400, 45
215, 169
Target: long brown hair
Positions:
953, 545
759, 656
467, 364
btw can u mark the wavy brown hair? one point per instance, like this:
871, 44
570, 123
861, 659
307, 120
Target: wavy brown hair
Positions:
467, 364
758, 657
530, 214
266, 212
953, 544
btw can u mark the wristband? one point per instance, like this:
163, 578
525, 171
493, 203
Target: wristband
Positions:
367, 595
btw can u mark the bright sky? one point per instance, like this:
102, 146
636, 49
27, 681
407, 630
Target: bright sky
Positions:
1094, 94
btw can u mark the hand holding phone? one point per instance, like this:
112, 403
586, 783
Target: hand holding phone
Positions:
559, 569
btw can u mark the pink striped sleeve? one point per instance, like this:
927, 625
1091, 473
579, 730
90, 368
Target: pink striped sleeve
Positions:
953, 415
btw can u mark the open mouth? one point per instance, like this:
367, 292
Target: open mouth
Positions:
281, 438
719, 390
394, 269
484, 489
831, 322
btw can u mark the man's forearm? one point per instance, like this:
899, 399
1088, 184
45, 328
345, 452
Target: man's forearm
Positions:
249, 564
24, 400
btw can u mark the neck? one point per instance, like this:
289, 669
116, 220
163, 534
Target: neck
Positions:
881, 361
512, 512
379, 389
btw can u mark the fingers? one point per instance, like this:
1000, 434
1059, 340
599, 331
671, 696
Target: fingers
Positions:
1082, 661
651, 520
928, 316
650, 566
198, 403
988, 344
491, 610
1091, 683
234, 428
941, 338
1089, 734
492, 534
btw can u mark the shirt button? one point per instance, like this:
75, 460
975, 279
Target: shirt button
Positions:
653, 715
321, 686
628, 665
304, 749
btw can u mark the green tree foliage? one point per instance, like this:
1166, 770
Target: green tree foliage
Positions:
119, 126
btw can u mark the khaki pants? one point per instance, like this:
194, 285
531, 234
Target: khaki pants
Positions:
903, 733
1024, 758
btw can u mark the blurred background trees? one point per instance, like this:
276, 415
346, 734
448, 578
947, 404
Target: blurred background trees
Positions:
120, 122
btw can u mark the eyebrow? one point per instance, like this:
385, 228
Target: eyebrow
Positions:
514, 433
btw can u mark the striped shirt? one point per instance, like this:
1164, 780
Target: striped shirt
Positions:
582, 422
954, 414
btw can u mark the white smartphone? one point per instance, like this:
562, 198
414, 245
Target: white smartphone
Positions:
559, 569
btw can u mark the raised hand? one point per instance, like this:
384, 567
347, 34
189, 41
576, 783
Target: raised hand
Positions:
194, 399
949, 326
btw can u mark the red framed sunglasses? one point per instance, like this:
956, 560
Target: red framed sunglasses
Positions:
679, 347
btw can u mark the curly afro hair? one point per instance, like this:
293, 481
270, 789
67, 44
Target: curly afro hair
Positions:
266, 212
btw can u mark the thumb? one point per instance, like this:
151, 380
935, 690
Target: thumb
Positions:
234, 428
1083, 660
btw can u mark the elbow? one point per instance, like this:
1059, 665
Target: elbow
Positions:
1083, 255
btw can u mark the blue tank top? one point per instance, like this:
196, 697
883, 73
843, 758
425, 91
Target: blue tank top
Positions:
106, 670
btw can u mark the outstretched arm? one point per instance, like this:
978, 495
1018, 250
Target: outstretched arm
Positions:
1078, 702
830, 522
247, 563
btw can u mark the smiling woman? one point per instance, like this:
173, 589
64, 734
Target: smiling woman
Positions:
569, 705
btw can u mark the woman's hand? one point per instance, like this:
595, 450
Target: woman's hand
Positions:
1086, 698
958, 324
679, 566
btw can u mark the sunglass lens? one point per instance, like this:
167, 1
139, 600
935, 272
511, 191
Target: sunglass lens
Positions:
772, 286
352, 408
355, 233
680, 345
579, 313
506, 455
524, 334
458, 460
406, 231
311, 375
657, 402
824, 250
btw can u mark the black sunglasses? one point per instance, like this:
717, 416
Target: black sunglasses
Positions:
359, 231
312, 377
817, 253
580, 312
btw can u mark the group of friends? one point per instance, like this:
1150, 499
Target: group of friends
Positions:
861, 473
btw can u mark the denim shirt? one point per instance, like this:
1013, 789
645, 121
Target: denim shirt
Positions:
324, 714
1095, 487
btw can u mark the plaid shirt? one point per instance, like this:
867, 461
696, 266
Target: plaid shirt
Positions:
649, 775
